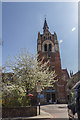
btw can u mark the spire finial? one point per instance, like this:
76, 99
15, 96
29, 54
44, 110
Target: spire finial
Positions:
45, 25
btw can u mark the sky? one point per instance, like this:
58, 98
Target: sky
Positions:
0, 34
21, 22
79, 36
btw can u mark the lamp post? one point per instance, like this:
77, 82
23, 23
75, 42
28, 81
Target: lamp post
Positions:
39, 90
39, 103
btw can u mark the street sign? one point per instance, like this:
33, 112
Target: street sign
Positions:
41, 96
50, 90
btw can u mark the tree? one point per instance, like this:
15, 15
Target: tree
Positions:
26, 72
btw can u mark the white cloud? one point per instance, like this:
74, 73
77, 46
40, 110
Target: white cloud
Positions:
73, 29
61, 41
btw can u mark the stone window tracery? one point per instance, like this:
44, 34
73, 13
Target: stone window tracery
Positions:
50, 47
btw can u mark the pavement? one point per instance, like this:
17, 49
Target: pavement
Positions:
56, 110
43, 115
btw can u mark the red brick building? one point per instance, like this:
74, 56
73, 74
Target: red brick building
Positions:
48, 47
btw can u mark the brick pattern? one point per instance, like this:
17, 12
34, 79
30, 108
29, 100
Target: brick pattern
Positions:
19, 112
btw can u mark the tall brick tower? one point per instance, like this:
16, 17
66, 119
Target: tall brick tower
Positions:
48, 48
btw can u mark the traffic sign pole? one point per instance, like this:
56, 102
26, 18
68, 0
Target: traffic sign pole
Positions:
39, 90
39, 103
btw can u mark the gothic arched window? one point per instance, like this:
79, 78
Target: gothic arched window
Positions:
45, 47
50, 47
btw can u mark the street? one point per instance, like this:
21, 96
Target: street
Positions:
55, 110
47, 112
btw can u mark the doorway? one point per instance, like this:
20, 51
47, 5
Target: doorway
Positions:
53, 98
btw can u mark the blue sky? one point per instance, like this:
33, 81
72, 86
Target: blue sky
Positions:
21, 23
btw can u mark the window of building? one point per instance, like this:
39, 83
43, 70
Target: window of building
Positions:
50, 47
50, 37
45, 47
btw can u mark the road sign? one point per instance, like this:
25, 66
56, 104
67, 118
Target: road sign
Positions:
41, 96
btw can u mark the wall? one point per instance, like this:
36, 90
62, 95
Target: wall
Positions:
19, 112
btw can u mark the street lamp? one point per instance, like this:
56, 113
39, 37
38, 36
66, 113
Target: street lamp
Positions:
39, 90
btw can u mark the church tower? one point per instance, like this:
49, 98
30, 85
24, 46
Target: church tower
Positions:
48, 48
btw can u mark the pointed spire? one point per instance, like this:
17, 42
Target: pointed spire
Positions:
45, 25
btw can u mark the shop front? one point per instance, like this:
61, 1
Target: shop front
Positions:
51, 96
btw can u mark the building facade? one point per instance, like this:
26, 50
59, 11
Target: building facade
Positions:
72, 81
48, 48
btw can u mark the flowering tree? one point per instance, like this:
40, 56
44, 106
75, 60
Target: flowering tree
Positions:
25, 73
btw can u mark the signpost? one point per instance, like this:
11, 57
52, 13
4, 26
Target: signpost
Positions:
39, 90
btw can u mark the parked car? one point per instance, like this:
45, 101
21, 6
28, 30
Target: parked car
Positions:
74, 102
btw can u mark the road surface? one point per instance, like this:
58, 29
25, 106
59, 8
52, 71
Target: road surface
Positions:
56, 110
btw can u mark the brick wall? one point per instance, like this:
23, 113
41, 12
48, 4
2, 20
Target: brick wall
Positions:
19, 112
